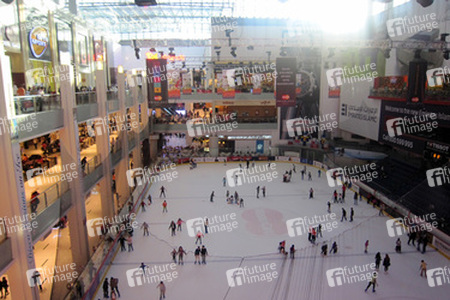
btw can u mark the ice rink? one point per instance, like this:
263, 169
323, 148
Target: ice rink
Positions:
261, 225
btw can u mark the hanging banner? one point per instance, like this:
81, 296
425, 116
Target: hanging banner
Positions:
256, 80
158, 92
187, 83
219, 83
298, 84
286, 80
260, 146
174, 84
38, 40
228, 91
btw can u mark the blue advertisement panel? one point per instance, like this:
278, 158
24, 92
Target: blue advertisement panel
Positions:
260, 146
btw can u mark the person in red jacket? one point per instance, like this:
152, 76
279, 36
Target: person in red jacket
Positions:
281, 247
164, 206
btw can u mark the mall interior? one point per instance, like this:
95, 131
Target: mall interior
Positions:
92, 89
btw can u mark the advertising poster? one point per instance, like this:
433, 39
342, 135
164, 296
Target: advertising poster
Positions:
174, 84
286, 81
157, 82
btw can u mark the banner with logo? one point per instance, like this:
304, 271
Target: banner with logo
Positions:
286, 81
158, 92
39, 43
187, 83
228, 90
174, 84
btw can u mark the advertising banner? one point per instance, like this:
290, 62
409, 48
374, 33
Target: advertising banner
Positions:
174, 84
187, 83
158, 92
286, 81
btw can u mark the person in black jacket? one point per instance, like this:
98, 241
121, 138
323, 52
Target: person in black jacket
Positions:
377, 260
106, 288
204, 252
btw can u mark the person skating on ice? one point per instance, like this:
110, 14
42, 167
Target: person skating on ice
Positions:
241, 203
199, 237
309, 176
324, 249
377, 260
257, 191
181, 254
145, 227
398, 246
143, 267
149, 199
197, 255
179, 223
386, 263
143, 205
174, 255
162, 290
281, 247
292, 251
293, 168
352, 213
366, 246
344, 215
319, 230
412, 237
334, 248
424, 243
173, 228
224, 181
303, 174
355, 198
163, 192
211, 198
311, 193
319, 172
206, 224
203, 253
264, 191
329, 207
372, 282
164, 205
423, 268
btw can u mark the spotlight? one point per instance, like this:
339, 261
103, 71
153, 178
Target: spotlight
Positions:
387, 53
446, 54
425, 3
233, 51
171, 53
283, 51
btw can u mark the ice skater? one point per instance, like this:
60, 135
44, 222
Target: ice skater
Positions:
311, 193
145, 227
211, 198
143, 267
241, 203
173, 228
352, 213
199, 237
174, 255
329, 207
372, 282
163, 192
257, 191
197, 255
263, 189
303, 174
334, 248
386, 263
423, 268
179, 223
377, 260
344, 215
206, 224
224, 180
143, 205
319, 172
203, 253
292, 251
355, 198
309, 176
398, 246
366, 246
324, 249
181, 254
164, 205
281, 246
412, 237
162, 290
293, 168
382, 208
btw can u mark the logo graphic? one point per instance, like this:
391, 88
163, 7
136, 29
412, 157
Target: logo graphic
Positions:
194, 226
194, 127
96, 223
294, 227
33, 277
435, 277
435, 77
395, 227
234, 177
435, 177
32, 174
332, 177
395, 27
335, 277
334, 77
394, 127
134, 277
38, 39
135, 177
235, 277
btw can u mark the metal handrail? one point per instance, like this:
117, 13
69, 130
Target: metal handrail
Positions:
83, 98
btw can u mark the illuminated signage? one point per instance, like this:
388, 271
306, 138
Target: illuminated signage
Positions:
39, 42
151, 55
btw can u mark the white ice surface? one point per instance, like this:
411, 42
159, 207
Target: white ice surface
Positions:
261, 226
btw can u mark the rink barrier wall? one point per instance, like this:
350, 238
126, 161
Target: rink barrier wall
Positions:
102, 270
440, 240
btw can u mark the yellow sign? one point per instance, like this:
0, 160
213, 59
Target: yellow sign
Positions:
38, 41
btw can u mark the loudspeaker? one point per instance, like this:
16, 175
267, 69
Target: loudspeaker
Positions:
417, 79
145, 2
425, 3
8, 1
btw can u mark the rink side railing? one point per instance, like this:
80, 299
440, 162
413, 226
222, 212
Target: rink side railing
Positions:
440, 240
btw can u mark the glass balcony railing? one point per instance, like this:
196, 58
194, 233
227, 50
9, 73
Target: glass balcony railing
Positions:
47, 197
92, 164
129, 99
36, 103
84, 98
112, 95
